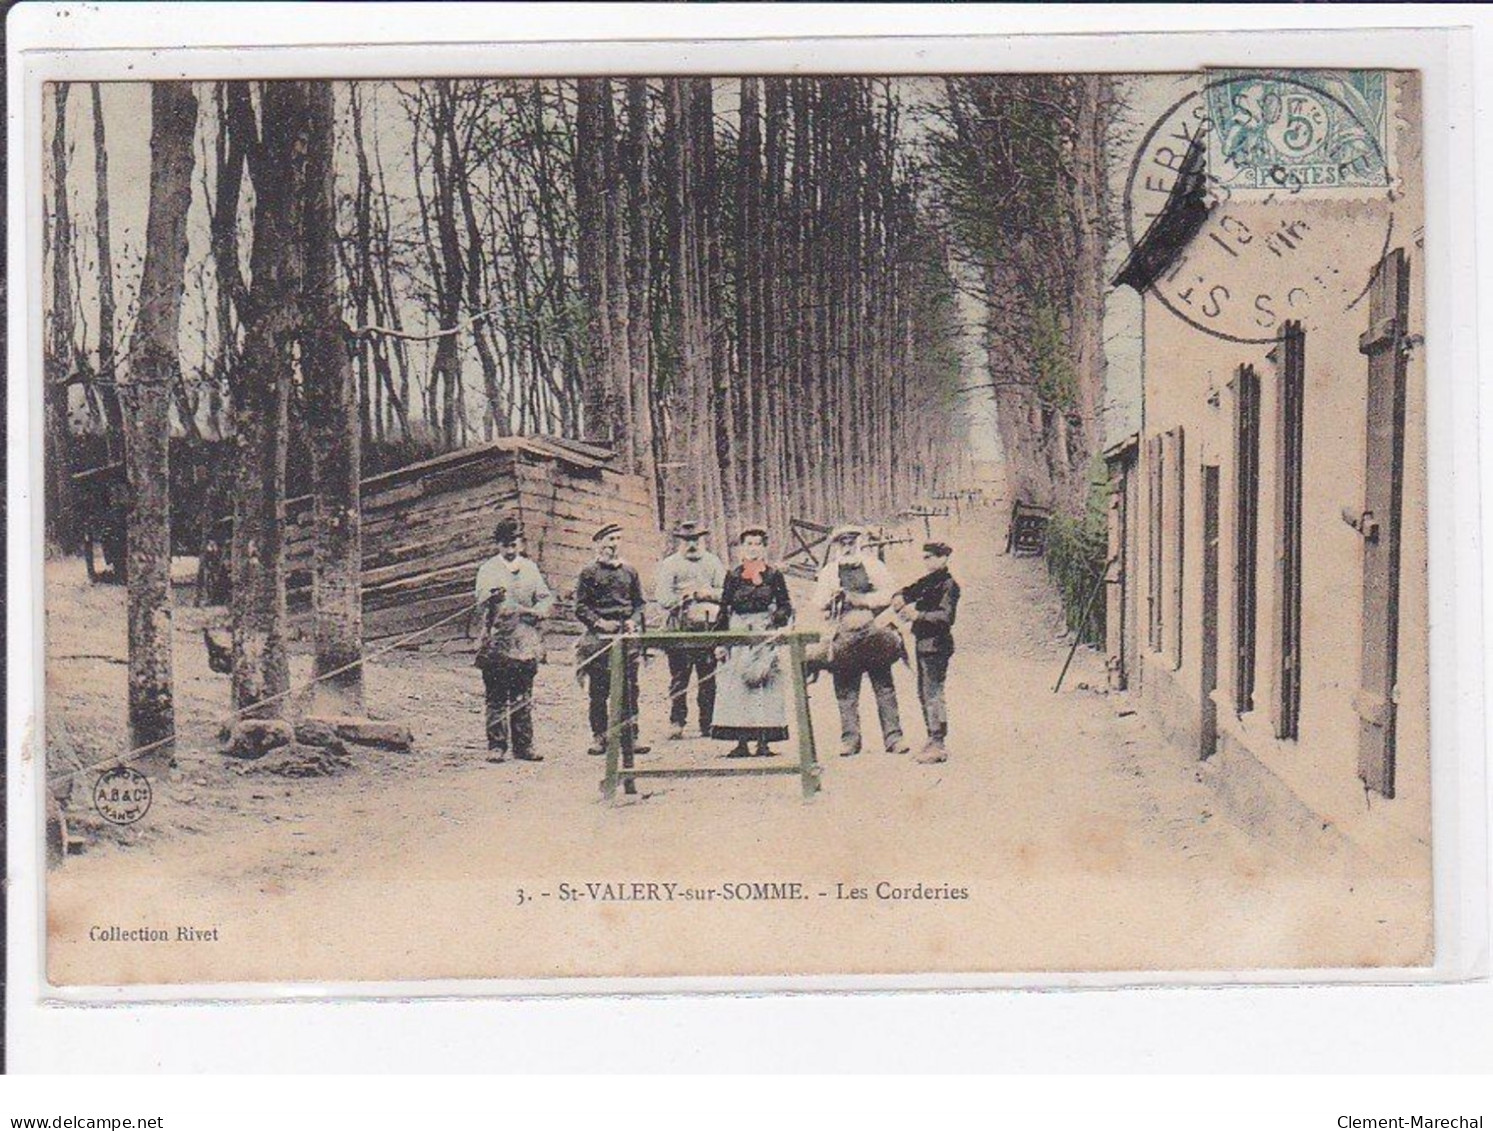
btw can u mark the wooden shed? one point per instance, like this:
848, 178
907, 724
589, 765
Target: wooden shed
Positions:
429, 525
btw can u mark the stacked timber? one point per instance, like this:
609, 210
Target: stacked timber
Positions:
428, 526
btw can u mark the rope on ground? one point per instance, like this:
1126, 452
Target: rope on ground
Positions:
140, 751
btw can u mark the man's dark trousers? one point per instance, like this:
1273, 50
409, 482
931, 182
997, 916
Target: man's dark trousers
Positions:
848, 695
510, 692
683, 661
599, 683
933, 670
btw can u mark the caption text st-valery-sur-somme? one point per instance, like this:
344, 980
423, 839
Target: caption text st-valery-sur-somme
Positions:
745, 891
1410, 1122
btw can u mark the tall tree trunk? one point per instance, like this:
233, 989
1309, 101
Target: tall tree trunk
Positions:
361, 284
447, 370
639, 288
261, 670
678, 488
477, 297
806, 473
113, 419
230, 102
599, 395
751, 451
235, 122
552, 229
386, 306
147, 441
61, 354
616, 206
333, 420
693, 483
776, 284
709, 289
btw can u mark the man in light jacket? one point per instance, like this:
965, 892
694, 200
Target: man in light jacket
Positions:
688, 587
513, 599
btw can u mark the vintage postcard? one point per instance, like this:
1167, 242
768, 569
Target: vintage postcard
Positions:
778, 525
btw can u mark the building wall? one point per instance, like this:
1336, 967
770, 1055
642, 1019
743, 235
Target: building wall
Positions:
1189, 383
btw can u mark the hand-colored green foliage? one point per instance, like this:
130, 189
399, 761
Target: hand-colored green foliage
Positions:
1057, 379
1077, 550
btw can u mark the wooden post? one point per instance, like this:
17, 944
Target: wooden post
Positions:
807, 763
629, 727
614, 719
620, 740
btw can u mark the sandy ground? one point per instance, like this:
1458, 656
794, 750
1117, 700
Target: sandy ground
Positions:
1078, 840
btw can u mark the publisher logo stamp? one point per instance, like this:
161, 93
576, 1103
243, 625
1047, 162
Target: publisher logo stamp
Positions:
122, 795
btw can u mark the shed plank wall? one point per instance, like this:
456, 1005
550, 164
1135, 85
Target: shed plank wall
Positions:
427, 528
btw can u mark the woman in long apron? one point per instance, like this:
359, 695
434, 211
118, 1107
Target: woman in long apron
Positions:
750, 704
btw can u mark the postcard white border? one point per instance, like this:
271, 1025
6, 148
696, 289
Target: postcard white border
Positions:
86, 43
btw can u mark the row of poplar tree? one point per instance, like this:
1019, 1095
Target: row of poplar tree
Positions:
749, 289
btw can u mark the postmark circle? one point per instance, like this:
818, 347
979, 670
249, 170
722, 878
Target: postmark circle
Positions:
122, 795
1260, 252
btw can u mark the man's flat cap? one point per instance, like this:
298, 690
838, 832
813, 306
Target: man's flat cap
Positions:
690, 529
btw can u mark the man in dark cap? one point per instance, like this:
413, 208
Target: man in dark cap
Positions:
688, 586
608, 602
512, 598
930, 604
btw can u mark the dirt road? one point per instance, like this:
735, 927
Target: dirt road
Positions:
1062, 835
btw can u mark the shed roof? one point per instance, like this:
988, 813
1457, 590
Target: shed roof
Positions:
576, 453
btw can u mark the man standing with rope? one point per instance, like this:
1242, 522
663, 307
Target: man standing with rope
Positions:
853, 589
608, 602
513, 599
688, 586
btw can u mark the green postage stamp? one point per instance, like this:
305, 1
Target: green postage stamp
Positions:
1298, 130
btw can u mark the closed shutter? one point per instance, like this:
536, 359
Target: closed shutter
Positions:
1246, 532
1154, 472
1176, 538
1291, 369
1379, 523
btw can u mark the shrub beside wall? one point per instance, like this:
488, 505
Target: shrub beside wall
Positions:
1077, 548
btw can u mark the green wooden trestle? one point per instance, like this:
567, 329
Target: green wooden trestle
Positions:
621, 732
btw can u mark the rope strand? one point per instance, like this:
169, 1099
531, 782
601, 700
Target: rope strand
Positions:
612, 641
139, 751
